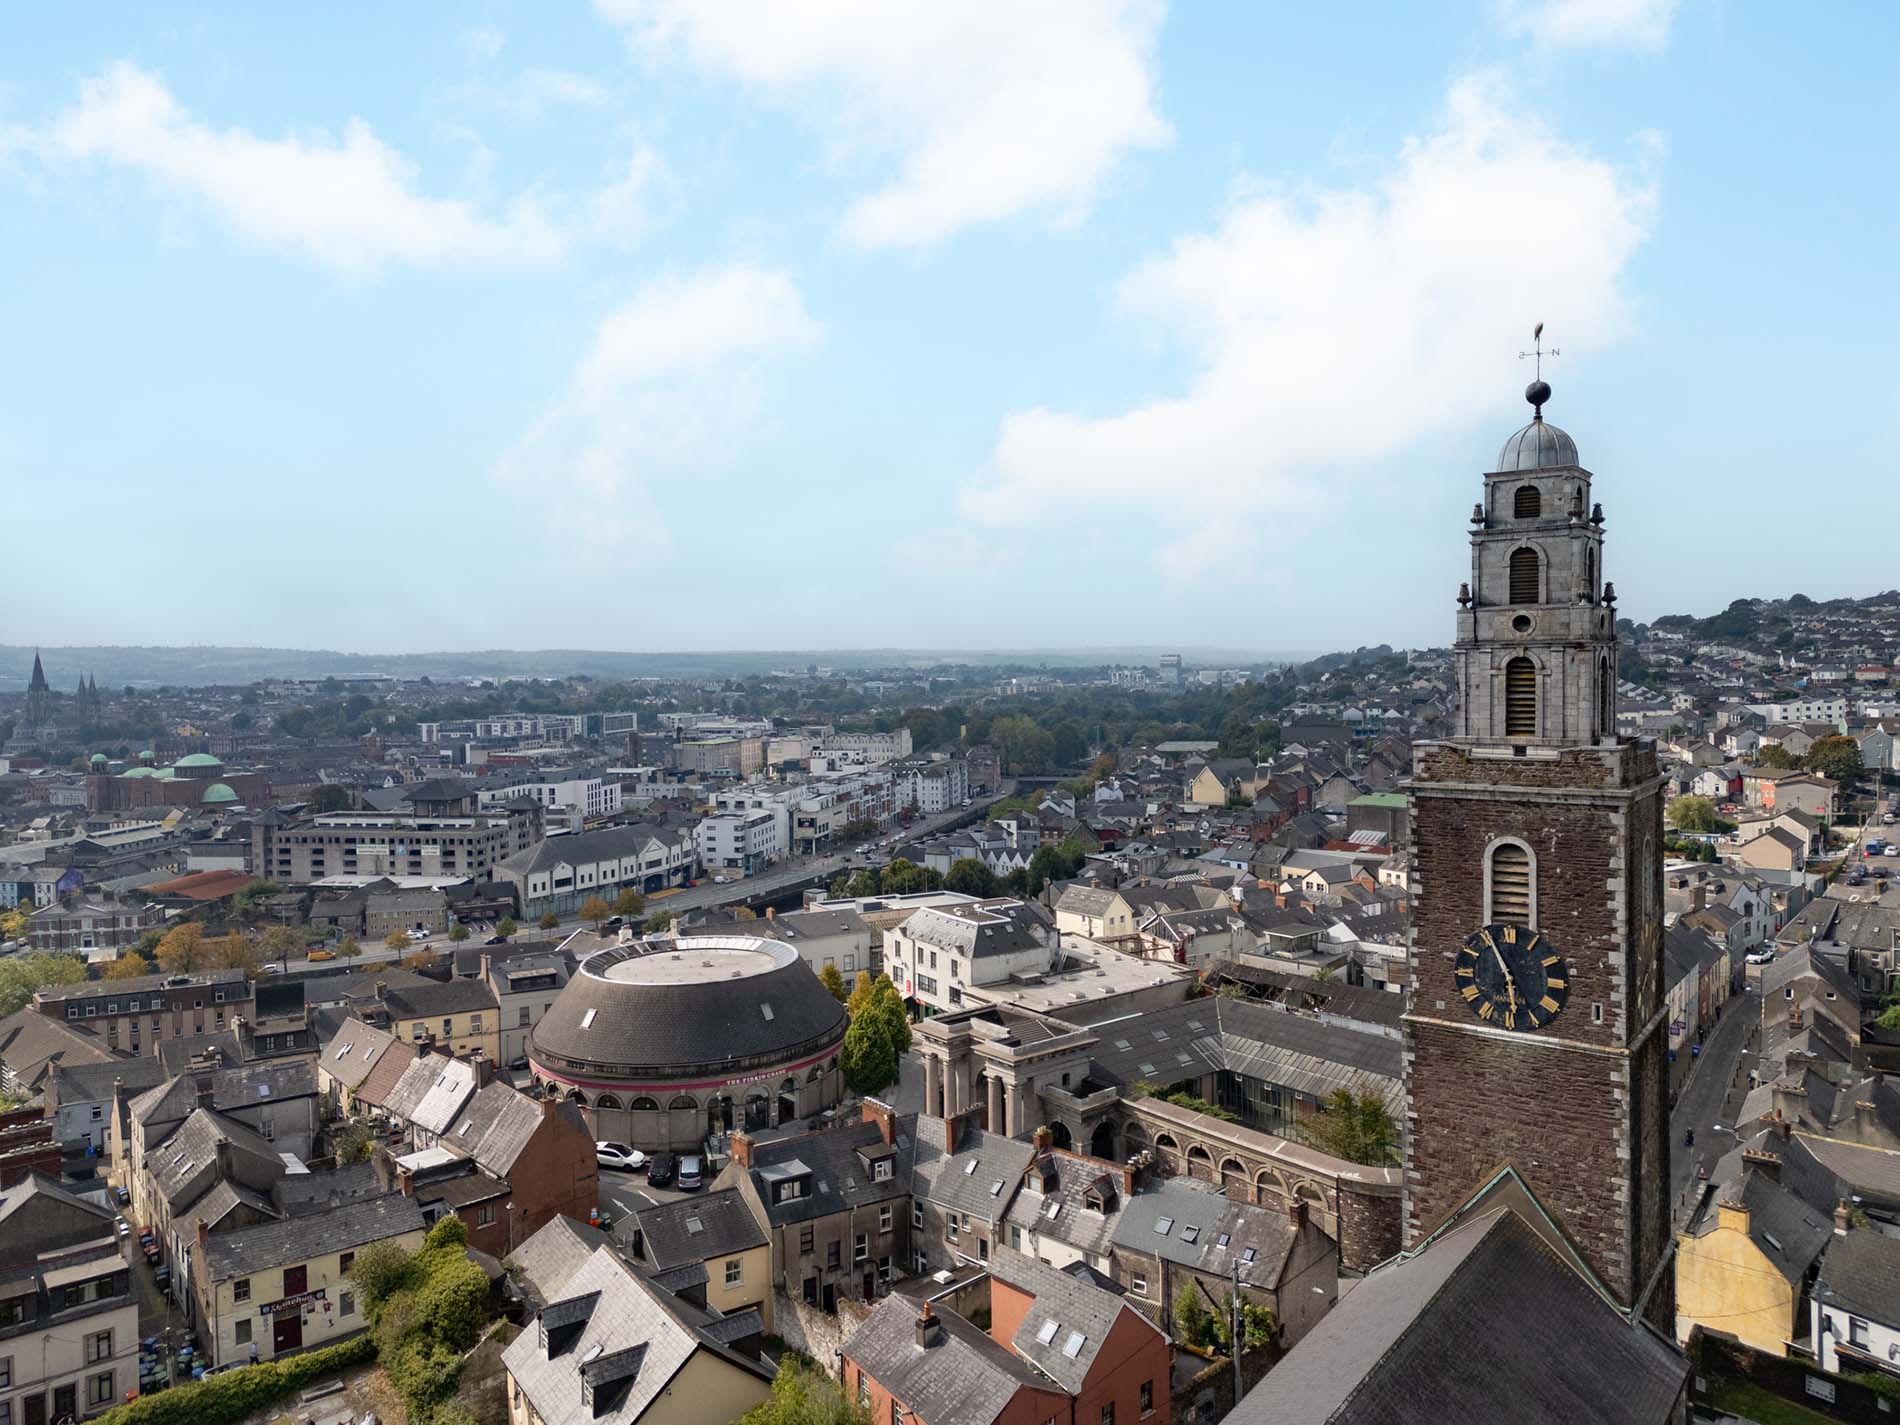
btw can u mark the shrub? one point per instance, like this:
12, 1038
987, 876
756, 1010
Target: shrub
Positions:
380, 1270
453, 1304
228, 1398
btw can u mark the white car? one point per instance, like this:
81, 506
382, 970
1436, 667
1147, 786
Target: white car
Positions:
619, 1155
1761, 957
418, 935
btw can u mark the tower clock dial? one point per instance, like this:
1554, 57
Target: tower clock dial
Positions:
1512, 976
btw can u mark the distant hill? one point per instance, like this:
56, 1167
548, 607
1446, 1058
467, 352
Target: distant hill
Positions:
1770, 623
202, 665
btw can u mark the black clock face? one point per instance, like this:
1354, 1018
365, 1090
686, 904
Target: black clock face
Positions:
1511, 976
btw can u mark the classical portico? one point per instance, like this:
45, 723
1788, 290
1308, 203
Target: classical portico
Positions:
1001, 1060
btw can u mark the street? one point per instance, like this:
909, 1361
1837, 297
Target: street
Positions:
1709, 1094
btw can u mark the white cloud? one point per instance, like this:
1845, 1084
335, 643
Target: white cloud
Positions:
1628, 24
1331, 331
673, 383
988, 109
347, 203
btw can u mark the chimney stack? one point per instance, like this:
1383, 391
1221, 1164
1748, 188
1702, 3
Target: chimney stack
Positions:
406, 1183
740, 1147
1843, 1218
929, 1329
771, 912
382, 989
884, 1116
1296, 1212
204, 1230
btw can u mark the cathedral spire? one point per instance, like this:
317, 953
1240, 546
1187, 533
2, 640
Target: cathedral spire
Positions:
38, 683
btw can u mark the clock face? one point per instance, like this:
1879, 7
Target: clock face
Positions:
1511, 976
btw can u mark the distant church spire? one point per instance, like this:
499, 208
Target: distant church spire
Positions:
38, 683
38, 694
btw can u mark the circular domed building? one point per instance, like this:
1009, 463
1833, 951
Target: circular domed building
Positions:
661, 1043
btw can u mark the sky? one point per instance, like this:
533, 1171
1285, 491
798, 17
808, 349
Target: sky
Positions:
662, 325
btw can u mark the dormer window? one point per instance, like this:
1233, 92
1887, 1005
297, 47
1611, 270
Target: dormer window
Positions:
881, 1170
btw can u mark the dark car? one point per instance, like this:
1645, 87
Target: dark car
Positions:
661, 1169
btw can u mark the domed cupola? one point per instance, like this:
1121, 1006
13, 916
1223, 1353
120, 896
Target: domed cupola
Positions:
1539, 445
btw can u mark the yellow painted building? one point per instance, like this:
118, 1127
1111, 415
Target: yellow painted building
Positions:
1742, 1270
461, 1016
283, 1287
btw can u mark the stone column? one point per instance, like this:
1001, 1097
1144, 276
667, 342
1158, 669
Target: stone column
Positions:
995, 1124
933, 1086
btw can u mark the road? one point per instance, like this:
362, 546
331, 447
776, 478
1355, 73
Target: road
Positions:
1705, 1098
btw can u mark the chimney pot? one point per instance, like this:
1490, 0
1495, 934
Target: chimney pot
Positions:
928, 1327
740, 1147
1843, 1218
204, 1232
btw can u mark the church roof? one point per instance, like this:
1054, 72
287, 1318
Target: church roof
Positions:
1538, 446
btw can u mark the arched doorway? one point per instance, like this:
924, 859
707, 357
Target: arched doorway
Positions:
719, 1113
1060, 1136
1102, 1141
1200, 1163
788, 1101
1233, 1179
758, 1112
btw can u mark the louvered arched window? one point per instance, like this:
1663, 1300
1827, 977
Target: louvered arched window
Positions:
1525, 569
1520, 698
1528, 504
1510, 885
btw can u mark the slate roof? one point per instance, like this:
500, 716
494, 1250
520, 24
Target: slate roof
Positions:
583, 848
838, 1179
1075, 1223
1077, 1307
962, 1376
976, 1175
431, 1091
307, 1235
542, 1265
93, 1082
31, 1043
1206, 1230
1491, 1299
625, 1336
432, 999
691, 1021
697, 1229
1861, 1275
353, 1051
979, 929
496, 1126
174, 1163
1788, 1232
248, 1085
1186, 1040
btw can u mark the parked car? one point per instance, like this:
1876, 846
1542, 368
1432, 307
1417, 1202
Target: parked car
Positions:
122, 1195
418, 935
619, 1155
692, 1175
1761, 957
318, 956
661, 1168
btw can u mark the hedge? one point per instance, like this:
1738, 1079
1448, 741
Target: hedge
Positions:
228, 1398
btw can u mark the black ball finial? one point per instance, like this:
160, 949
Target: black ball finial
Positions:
1537, 393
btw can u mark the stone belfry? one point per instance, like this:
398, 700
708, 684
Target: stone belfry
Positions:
1534, 1030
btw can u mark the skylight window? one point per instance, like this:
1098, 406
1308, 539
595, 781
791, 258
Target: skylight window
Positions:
587, 1020
1123, 1044
1164, 1226
1073, 1346
1161, 1035
1190, 1234
694, 1225
1055, 1211
1147, 1068
996, 1188
1222, 1240
766, 1010
1246, 1257
969, 1167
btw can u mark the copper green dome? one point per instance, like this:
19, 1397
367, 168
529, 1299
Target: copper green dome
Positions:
97, 758
198, 759
218, 792
141, 772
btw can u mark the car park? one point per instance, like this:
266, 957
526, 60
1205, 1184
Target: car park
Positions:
619, 1155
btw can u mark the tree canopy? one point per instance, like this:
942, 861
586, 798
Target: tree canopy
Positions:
1692, 814
1355, 1127
20, 975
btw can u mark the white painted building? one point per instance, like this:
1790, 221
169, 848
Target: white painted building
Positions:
1854, 1310
593, 797
932, 787
937, 954
742, 841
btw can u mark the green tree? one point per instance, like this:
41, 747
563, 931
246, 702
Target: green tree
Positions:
659, 922
865, 883
1355, 1127
506, 926
148, 943
802, 1395
21, 975
1777, 756
1193, 1321
889, 1004
971, 877
329, 797
834, 982
903, 877
550, 921
128, 966
1837, 758
396, 940
458, 932
354, 1144
1692, 814
235, 951
869, 1059
593, 910
1890, 1020
348, 948
629, 903
861, 994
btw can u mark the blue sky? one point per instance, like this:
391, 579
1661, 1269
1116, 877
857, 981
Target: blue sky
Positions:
661, 325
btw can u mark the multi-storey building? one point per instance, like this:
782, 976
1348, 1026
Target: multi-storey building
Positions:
932, 787
742, 841
136, 1015
561, 872
98, 929
592, 796
355, 843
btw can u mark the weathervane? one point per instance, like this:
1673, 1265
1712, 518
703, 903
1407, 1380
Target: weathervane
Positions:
1538, 391
1537, 350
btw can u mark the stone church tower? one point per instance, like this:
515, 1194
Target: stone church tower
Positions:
1534, 1036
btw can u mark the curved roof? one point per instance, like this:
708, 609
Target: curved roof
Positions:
219, 792
715, 1000
198, 759
97, 758
1538, 446
141, 772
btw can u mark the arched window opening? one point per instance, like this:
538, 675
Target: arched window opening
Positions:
606, 1100
1525, 583
1590, 571
1520, 698
1529, 504
1510, 884
684, 1100
645, 1103
1606, 691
